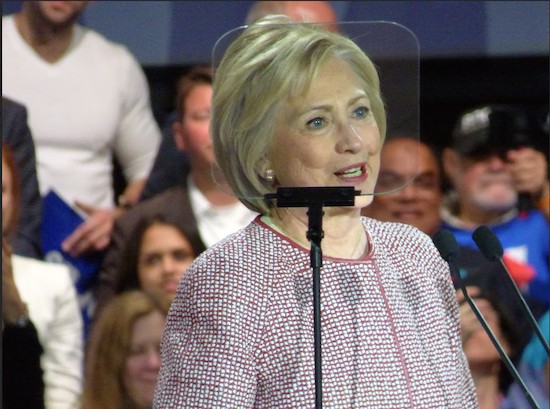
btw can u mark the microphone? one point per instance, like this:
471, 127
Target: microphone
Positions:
489, 245
448, 248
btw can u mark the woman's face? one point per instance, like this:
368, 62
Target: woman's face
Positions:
143, 361
7, 197
164, 256
329, 137
479, 349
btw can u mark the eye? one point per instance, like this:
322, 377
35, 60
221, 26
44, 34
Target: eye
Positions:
361, 112
137, 350
389, 180
151, 259
427, 182
182, 255
315, 123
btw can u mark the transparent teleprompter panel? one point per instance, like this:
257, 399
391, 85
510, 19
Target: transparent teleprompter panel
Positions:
253, 91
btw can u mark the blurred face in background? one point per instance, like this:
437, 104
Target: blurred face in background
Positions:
165, 254
478, 347
143, 361
57, 14
483, 183
311, 12
192, 132
7, 197
405, 160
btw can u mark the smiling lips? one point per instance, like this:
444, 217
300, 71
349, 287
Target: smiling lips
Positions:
353, 174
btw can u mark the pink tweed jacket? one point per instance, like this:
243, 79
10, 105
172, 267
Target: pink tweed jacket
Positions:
240, 331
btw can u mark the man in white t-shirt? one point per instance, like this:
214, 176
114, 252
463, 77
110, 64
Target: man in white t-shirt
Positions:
87, 99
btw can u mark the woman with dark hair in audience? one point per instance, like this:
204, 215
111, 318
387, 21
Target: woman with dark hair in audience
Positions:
156, 256
490, 375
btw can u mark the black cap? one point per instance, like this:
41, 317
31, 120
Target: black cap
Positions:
491, 129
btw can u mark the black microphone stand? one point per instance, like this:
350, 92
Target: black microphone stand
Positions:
314, 198
447, 246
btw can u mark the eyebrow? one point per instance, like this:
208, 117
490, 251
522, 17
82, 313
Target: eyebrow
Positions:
327, 107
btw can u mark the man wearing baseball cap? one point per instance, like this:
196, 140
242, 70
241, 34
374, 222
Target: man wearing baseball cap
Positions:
494, 161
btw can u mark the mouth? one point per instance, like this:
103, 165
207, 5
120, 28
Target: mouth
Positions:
407, 215
170, 286
352, 174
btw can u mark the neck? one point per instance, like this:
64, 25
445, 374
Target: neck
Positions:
344, 235
216, 192
472, 216
48, 41
486, 381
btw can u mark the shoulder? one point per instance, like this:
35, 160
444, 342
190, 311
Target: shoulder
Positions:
173, 202
41, 272
41, 275
534, 217
405, 244
243, 256
39, 266
231, 277
10, 105
8, 23
529, 224
94, 42
11, 111
395, 234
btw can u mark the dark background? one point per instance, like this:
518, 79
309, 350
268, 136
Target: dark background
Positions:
471, 52
448, 86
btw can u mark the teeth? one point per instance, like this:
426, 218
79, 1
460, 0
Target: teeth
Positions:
352, 172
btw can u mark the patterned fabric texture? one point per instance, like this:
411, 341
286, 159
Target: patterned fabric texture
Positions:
240, 331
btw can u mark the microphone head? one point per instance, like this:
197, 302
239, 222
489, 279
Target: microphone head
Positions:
488, 243
446, 244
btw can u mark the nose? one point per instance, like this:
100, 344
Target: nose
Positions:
495, 162
407, 192
349, 140
152, 360
168, 265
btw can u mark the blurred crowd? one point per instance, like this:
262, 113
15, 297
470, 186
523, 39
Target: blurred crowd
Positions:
89, 273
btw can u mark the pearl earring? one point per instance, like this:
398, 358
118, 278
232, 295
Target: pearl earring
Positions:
270, 175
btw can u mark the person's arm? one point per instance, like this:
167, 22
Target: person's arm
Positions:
94, 234
529, 169
135, 145
63, 358
108, 276
13, 307
17, 135
23, 385
138, 135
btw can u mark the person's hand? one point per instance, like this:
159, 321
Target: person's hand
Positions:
529, 170
94, 234
13, 306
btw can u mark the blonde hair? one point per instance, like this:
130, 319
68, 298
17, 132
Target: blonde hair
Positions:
109, 346
271, 62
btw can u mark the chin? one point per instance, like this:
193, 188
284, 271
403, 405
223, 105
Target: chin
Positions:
501, 204
363, 200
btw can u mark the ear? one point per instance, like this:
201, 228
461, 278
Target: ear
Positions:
177, 133
262, 166
451, 163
